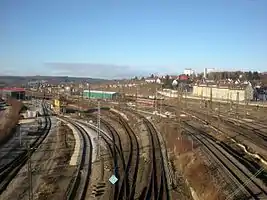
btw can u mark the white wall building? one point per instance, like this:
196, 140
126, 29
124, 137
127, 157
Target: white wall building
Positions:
189, 71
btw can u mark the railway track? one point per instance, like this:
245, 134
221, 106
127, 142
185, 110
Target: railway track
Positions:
249, 186
230, 125
115, 147
157, 187
118, 154
125, 189
8, 172
79, 183
128, 184
239, 127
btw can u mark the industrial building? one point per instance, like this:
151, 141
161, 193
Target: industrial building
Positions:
16, 93
2, 104
95, 94
239, 92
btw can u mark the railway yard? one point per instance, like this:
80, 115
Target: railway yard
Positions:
189, 151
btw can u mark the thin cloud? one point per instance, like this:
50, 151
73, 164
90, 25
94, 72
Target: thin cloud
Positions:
93, 70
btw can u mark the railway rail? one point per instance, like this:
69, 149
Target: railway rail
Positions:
8, 172
79, 183
157, 187
248, 184
115, 148
258, 137
128, 184
125, 189
118, 154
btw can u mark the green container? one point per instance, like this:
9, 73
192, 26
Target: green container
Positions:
99, 94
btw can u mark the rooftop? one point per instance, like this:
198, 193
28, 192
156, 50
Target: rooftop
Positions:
14, 89
224, 86
99, 91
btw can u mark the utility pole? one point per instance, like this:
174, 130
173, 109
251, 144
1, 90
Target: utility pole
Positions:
245, 105
136, 99
180, 109
161, 100
185, 98
237, 104
32, 98
123, 96
219, 111
202, 100
88, 85
120, 98
98, 128
156, 96
29, 172
20, 135
210, 98
136, 103
81, 105
230, 102
228, 99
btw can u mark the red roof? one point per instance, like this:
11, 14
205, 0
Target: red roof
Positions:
183, 77
13, 89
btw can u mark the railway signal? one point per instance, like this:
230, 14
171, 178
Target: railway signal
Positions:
113, 179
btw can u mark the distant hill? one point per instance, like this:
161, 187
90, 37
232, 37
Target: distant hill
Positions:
22, 80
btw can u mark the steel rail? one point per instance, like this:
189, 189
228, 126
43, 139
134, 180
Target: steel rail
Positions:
14, 167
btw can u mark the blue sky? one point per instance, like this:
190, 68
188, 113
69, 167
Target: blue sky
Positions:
111, 38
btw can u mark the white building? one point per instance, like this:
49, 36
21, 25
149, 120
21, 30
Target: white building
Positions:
189, 71
207, 71
150, 80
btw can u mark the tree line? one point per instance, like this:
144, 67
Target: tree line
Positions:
234, 75
249, 76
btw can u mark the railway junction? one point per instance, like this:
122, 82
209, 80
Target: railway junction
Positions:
118, 149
